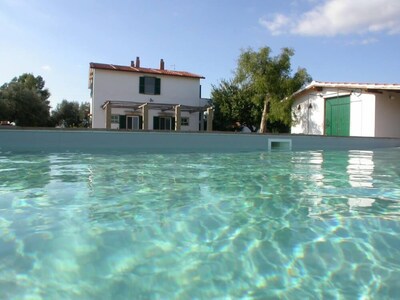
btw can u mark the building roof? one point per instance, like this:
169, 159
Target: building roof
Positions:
351, 86
144, 70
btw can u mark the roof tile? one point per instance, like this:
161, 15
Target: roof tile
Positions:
144, 70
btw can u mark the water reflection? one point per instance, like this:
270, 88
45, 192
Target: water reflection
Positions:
20, 172
360, 171
360, 168
335, 179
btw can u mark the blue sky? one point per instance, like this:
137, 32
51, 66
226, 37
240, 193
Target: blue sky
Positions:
335, 40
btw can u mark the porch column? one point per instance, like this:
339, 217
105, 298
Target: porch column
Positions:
145, 116
177, 118
201, 121
210, 117
108, 115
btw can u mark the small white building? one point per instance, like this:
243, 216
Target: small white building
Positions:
347, 109
134, 98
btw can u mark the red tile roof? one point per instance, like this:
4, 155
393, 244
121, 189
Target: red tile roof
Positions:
144, 70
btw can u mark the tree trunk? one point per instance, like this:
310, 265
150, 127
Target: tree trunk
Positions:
264, 117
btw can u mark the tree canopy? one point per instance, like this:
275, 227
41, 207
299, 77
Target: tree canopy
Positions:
71, 114
259, 90
24, 101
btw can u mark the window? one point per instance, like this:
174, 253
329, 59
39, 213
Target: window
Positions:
134, 122
115, 119
163, 123
149, 85
184, 121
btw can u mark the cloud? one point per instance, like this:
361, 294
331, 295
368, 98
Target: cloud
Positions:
46, 68
366, 41
278, 25
340, 17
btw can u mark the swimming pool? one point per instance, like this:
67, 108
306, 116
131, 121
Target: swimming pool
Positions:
257, 225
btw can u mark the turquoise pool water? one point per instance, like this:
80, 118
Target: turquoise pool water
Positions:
286, 225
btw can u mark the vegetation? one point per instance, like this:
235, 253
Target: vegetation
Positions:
259, 93
71, 114
24, 101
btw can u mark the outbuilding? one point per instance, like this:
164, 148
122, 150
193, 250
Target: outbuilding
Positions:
347, 109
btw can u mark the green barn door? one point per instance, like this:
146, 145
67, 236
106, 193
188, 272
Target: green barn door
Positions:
337, 116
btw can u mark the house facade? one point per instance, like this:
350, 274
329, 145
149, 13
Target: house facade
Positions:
137, 98
347, 109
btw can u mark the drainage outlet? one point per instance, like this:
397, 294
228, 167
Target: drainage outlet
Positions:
279, 145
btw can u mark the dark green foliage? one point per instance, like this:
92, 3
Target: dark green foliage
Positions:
70, 114
232, 105
25, 101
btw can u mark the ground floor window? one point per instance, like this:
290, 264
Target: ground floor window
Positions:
130, 122
133, 122
115, 119
184, 121
164, 123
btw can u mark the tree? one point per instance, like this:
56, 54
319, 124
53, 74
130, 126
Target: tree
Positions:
84, 110
271, 82
25, 101
70, 114
231, 105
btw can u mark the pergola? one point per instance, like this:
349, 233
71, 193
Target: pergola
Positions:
143, 110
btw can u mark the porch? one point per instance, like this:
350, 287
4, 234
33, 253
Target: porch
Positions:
155, 116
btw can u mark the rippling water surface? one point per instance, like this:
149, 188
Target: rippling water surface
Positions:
289, 225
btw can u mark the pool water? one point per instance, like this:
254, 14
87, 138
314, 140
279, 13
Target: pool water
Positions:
286, 225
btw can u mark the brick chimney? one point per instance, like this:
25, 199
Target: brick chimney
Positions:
161, 64
132, 63
137, 62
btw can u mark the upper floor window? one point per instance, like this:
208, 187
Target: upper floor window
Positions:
149, 85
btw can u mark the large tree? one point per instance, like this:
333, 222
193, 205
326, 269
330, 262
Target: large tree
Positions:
24, 100
260, 90
272, 82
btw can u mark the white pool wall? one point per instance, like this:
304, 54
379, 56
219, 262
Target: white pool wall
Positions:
154, 141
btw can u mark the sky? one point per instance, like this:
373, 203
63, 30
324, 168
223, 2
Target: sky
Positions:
335, 40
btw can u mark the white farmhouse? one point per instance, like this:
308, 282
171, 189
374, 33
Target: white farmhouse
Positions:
135, 98
347, 109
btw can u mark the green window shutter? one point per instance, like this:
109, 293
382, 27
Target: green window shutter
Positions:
173, 123
156, 123
141, 85
157, 90
122, 122
140, 122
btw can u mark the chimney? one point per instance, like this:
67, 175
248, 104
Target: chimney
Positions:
161, 64
137, 62
132, 63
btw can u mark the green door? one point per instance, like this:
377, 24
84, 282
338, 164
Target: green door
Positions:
337, 116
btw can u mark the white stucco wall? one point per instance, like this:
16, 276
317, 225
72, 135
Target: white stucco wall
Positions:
309, 120
362, 112
124, 86
387, 118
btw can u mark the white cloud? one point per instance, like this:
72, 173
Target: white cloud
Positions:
340, 17
46, 68
278, 25
369, 41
